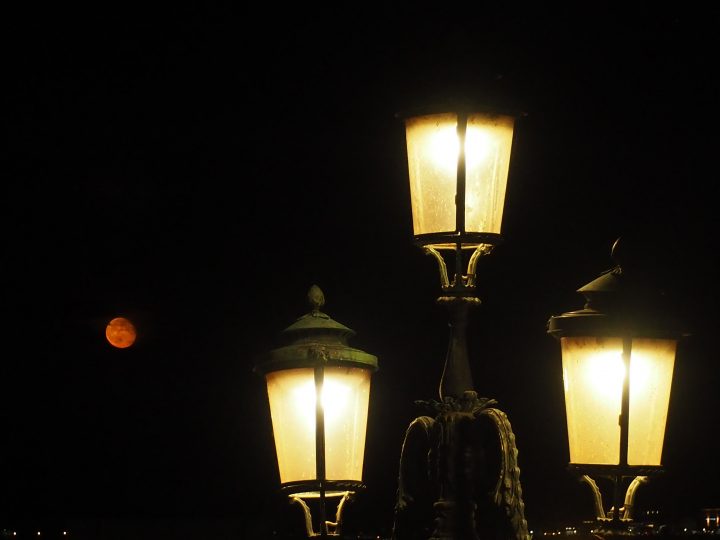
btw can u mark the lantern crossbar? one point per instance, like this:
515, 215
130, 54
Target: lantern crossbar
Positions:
320, 443
462, 120
625, 404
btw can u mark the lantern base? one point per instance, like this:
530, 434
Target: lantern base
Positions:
612, 471
453, 240
313, 486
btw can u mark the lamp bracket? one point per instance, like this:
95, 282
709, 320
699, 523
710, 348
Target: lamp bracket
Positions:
333, 527
618, 516
462, 284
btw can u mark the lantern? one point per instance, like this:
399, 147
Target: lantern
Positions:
318, 390
618, 356
458, 168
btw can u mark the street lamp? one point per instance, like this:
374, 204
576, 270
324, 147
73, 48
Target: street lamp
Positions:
318, 389
462, 456
618, 354
458, 165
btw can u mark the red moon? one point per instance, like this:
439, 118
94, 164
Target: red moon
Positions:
120, 333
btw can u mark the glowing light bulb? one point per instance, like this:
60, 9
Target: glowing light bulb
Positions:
444, 149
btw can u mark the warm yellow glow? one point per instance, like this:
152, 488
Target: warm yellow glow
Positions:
592, 398
443, 147
651, 371
433, 150
593, 374
487, 155
432, 160
335, 396
120, 333
345, 396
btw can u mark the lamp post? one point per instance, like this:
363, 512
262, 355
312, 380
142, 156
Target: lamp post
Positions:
459, 462
618, 354
318, 389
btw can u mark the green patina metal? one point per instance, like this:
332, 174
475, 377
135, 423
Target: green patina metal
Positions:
313, 340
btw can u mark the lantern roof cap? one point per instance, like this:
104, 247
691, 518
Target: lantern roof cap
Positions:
316, 320
620, 302
315, 339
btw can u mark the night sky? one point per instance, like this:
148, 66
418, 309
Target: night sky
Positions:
197, 170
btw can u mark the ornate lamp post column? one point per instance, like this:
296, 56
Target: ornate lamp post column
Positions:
618, 354
461, 458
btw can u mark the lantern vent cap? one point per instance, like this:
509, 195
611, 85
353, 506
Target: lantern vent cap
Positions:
315, 339
316, 321
622, 300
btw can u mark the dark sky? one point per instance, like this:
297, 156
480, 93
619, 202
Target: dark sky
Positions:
199, 169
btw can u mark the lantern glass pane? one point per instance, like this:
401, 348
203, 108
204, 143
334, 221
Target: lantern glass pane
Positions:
488, 141
651, 370
593, 379
291, 394
432, 147
345, 398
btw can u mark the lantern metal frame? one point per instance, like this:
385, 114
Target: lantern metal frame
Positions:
618, 304
318, 342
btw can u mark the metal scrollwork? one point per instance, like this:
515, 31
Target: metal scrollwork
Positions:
333, 527
459, 474
442, 267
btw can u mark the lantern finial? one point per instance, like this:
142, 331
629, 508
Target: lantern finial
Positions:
316, 298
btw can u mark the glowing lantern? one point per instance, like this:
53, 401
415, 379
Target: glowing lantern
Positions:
318, 390
458, 168
618, 355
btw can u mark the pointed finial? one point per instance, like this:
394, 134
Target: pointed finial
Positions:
316, 298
